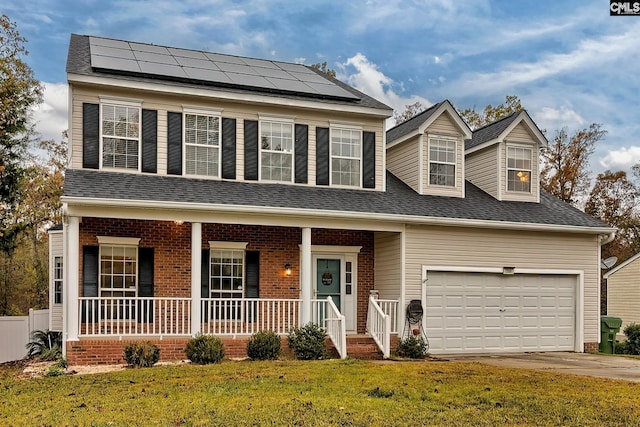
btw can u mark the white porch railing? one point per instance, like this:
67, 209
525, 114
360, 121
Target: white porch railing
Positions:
379, 327
326, 314
390, 307
242, 316
115, 316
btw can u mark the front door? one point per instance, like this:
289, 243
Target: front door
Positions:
328, 280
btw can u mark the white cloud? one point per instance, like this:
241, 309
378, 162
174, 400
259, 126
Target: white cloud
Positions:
364, 75
51, 117
556, 118
622, 158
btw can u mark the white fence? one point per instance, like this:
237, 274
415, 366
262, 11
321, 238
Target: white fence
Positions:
15, 333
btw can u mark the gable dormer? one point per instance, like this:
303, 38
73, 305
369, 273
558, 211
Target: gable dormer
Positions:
427, 151
502, 158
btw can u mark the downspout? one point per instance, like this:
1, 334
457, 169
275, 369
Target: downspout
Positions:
604, 239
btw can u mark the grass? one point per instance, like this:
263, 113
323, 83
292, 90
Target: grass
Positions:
323, 393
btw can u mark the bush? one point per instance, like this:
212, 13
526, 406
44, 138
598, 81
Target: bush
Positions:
308, 343
205, 349
632, 333
141, 355
412, 347
45, 345
620, 347
58, 368
264, 345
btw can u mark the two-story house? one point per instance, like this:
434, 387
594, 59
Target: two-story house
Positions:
216, 194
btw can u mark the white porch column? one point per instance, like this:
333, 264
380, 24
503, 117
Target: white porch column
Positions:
306, 273
72, 282
196, 276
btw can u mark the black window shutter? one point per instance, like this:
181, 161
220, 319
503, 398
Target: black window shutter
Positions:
90, 136
89, 309
145, 283
251, 150
228, 148
204, 284
252, 279
369, 159
322, 156
301, 150
150, 141
174, 142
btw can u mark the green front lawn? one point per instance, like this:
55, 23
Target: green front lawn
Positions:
333, 392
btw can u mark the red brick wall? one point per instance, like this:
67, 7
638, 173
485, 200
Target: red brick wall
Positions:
277, 246
591, 347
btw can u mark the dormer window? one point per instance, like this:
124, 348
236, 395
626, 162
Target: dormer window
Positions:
519, 169
442, 161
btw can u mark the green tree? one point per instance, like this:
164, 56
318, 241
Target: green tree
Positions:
565, 163
19, 90
490, 114
323, 67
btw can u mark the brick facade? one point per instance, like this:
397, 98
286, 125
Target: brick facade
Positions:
591, 347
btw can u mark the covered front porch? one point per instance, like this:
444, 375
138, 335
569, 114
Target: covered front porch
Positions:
176, 279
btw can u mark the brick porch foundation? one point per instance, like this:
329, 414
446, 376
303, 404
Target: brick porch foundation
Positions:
591, 347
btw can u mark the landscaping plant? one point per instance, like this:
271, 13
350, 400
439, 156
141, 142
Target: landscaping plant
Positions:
308, 342
44, 345
141, 355
264, 345
632, 345
412, 347
205, 349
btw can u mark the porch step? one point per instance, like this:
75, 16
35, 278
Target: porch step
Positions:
363, 347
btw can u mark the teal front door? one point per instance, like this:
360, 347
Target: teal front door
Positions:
328, 280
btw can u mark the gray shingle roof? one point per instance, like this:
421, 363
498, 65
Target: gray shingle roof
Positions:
412, 124
490, 131
399, 199
79, 62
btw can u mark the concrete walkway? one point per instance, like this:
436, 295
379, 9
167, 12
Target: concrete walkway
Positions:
593, 365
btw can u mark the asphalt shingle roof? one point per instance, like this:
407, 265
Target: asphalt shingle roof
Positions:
79, 62
399, 199
490, 131
412, 124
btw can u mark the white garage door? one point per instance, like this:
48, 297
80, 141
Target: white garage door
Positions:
490, 313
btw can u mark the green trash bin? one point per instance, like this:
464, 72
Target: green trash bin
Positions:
609, 327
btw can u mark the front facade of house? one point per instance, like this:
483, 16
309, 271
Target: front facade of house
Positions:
223, 195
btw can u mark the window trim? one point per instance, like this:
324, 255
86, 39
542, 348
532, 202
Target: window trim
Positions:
456, 168
350, 127
279, 120
228, 246
212, 112
507, 168
122, 242
58, 280
120, 102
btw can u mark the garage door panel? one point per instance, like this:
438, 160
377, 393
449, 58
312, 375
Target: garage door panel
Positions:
486, 312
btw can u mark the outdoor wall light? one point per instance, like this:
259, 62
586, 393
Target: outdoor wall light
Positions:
178, 222
287, 269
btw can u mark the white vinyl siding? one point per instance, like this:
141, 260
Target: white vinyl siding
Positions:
623, 294
387, 264
403, 160
202, 145
120, 136
346, 155
56, 253
469, 247
276, 151
480, 169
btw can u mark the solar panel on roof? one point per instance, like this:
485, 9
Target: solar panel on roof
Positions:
214, 68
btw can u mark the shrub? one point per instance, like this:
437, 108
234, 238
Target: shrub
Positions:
45, 345
205, 349
620, 347
632, 333
264, 345
141, 355
412, 347
58, 368
308, 343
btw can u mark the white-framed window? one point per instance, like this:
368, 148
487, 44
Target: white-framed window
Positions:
226, 270
202, 142
346, 156
519, 169
276, 150
120, 135
442, 161
58, 276
118, 271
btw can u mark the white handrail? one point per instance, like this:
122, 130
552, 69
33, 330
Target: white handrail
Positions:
132, 316
336, 328
390, 307
379, 326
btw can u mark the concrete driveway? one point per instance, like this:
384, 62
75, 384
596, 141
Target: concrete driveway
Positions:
593, 365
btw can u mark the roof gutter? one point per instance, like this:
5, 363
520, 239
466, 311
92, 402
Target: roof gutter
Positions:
608, 238
170, 88
368, 216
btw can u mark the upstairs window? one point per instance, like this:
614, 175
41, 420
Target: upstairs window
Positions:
202, 145
276, 151
120, 136
442, 162
346, 154
519, 169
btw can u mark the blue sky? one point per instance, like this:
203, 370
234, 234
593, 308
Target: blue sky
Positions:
569, 61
